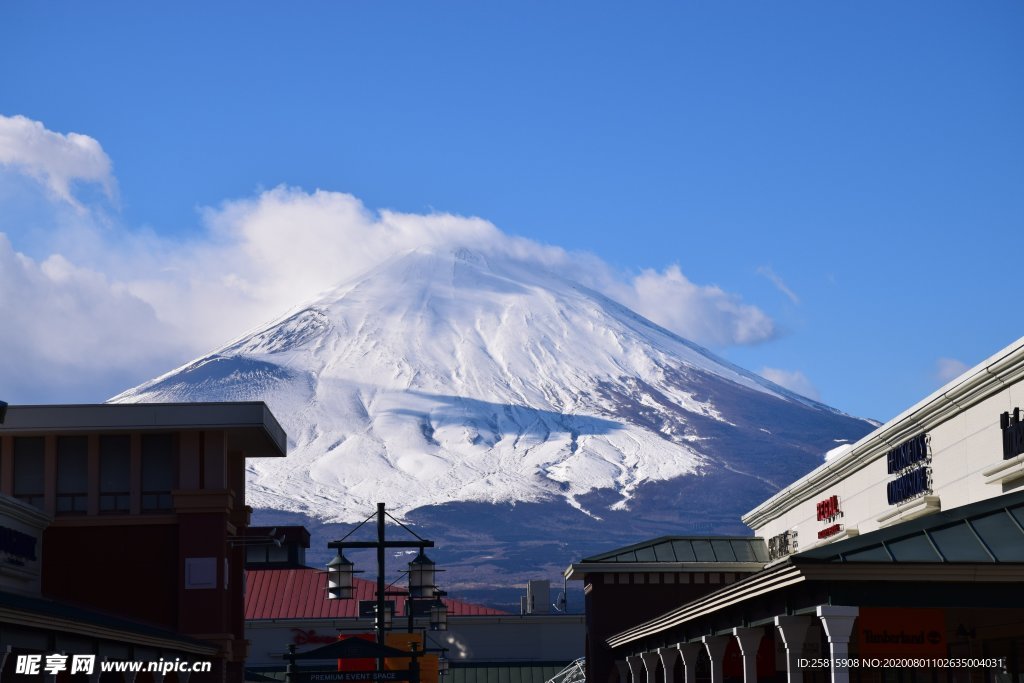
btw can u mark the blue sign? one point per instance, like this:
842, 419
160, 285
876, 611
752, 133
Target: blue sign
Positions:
907, 454
913, 483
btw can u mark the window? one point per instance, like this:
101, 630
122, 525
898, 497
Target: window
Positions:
72, 475
159, 471
266, 554
115, 474
28, 469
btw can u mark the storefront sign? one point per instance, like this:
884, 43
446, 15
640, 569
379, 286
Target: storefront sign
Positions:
17, 544
910, 485
901, 632
830, 530
354, 676
828, 509
909, 460
1013, 434
907, 454
781, 545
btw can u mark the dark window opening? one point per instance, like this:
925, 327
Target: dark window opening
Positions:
72, 475
28, 469
115, 474
159, 471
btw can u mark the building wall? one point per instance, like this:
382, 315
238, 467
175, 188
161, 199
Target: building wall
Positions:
144, 588
615, 601
174, 567
505, 638
962, 424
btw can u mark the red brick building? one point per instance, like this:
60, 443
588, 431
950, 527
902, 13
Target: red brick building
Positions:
144, 509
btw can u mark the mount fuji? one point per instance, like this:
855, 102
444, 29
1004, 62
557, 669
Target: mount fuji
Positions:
518, 417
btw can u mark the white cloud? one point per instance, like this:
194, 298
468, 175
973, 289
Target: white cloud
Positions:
779, 283
948, 369
70, 330
101, 301
287, 245
704, 313
53, 159
794, 380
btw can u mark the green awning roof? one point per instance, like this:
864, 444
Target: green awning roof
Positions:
711, 549
989, 531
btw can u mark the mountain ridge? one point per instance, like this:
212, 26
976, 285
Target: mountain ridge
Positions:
457, 378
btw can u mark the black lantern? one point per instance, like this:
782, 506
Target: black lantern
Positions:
340, 571
421, 576
439, 616
442, 665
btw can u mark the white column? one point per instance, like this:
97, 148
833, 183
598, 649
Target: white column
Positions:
669, 655
623, 669
715, 645
838, 623
749, 640
636, 668
97, 671
651, 661
689, 652
793, 631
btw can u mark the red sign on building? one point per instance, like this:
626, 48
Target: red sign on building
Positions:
828, 509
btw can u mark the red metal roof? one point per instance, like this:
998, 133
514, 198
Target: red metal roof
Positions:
302, 594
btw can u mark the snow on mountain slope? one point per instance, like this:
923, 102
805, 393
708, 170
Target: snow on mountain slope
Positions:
451, 376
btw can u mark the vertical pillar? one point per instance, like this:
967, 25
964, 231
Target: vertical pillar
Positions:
689, 652
749, 640
715, 645
793, 630
651, 661
838, 623
97, 670
669, 655
623, 669
636, 669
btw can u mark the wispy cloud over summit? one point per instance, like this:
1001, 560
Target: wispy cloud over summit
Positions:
140, 299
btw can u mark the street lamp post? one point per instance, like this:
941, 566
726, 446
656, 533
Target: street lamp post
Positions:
422, 570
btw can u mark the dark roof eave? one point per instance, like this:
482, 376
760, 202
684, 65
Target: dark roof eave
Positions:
578, 570
253, 426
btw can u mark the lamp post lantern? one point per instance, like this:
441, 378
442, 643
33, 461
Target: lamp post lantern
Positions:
439, 616
421, 577
422, 572
340, 572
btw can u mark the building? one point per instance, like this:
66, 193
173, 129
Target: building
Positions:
121, 530
635, 583
286, 603
901, 556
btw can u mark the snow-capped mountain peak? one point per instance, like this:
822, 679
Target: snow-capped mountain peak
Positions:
455, 376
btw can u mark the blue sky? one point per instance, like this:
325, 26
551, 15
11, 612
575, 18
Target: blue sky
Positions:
851, 171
